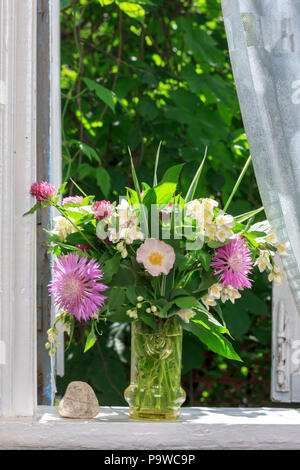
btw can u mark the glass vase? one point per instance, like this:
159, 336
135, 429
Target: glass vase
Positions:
154, 392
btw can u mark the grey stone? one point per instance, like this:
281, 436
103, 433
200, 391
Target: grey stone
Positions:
79, 401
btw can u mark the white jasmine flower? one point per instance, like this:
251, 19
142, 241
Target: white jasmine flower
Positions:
214, 291
230, 293
208, 301
210, 231
185, 314
276, 278
224, 219
223, 233
263, 261
207, 217
194, 210
233, 294
281, 249
209, 204
127, 220
272, 239
225, 295
62, 228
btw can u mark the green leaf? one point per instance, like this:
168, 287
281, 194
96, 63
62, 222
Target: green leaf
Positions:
178, 293
111, 267
256, 234
132, 196
163, 313
204, 317
104, 3
147, 108
62, 187
116, 297
148, 318
124, 277
205, 259
119, 317
172, 174
131, 294
103, 180
64, 4
106, 95
132, 9
216, 342
35, 208
91, 340
85, 170
86, 150
237, 319
165, 192
186, 302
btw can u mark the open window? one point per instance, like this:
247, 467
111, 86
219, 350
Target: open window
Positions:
30, 148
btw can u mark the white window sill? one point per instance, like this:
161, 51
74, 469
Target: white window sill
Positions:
197, 428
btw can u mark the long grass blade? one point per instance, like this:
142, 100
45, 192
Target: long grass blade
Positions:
78, 187
248, 215
236, 186
190, 194
138, 190
156, 165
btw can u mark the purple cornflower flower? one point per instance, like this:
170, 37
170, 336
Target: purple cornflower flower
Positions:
232, 263
76, 287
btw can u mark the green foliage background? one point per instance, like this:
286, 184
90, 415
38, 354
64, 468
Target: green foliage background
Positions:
133, 74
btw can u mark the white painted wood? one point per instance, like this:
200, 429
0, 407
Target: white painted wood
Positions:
197, 428
17, 235
55, 135
285, 385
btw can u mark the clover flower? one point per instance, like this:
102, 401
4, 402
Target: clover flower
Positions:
102, 209
72, 200
42, 190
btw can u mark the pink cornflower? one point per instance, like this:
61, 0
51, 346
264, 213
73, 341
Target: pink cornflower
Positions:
42, 190
232, 263
102, 209
76, 287
72, 200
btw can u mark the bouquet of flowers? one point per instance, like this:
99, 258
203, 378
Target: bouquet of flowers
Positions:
156, 256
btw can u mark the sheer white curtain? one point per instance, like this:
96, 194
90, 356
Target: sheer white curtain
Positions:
264, 44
